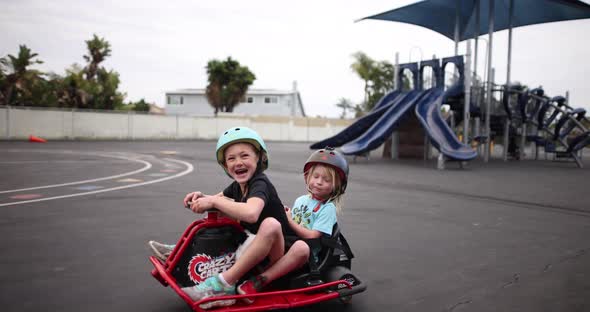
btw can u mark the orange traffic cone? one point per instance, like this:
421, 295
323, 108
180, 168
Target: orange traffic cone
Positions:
35, 139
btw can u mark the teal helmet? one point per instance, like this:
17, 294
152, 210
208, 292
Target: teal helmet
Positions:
242, 135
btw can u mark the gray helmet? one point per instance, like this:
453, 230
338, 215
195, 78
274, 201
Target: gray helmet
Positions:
329, 156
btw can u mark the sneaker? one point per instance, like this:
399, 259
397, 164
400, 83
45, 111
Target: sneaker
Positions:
161, 251
211, 287
249, 287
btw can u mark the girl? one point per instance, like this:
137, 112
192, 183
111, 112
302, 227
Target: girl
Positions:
313, 214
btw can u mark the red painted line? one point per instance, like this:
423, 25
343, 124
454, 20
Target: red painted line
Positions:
26, 196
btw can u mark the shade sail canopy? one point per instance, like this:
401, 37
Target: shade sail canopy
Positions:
441, 15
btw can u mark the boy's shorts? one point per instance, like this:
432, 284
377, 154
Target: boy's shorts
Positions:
289, 240
249, 239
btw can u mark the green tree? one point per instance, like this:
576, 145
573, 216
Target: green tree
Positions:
345, 105
17, 80
382, 77
73, 89
363, 66
94, 86
228, 83
141, 106
106, 95
98, 50
378, 76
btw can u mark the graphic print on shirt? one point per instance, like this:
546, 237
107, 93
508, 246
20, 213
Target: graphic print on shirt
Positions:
302, 216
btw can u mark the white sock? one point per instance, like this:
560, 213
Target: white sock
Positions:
223, 281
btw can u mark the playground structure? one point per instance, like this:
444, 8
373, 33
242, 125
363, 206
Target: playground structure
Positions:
523, 115
393, 110
546, 122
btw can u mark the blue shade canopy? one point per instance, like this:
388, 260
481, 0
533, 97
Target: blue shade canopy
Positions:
440, 15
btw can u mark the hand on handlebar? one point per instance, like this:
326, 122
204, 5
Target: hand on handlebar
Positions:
191, 198
201, 204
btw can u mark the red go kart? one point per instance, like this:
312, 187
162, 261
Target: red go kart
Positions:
207, 247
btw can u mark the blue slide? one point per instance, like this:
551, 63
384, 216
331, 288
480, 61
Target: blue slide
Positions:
441, 135
360, 126
382, 128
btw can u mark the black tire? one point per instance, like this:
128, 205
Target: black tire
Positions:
345, 300
341, 273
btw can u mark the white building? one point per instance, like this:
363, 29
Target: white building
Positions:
193, 102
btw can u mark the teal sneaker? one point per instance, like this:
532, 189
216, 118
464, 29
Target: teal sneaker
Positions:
161, 251
211, 287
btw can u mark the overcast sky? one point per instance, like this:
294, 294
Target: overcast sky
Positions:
158, 46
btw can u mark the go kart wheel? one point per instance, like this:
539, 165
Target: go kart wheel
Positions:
345, 299
342, 273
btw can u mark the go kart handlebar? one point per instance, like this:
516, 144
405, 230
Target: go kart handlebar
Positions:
188, 206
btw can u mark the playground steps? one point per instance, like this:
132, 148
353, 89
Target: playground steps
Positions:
411, 137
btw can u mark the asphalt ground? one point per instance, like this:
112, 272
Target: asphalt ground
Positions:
502, 236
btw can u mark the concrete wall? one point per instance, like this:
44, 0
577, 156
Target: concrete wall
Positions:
19, 123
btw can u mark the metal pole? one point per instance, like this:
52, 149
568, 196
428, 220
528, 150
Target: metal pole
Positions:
490, 74
523, 139
395, 135
476, 128
467, 77
476, 36
508, 69
457, 26
510, 18
426, 144
506, 138
433, 78
440, 162
395, 77
487, 148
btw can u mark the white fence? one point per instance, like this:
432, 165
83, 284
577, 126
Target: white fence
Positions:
18, 123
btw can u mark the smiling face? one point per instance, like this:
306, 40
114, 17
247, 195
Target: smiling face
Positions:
241, 161
320, 181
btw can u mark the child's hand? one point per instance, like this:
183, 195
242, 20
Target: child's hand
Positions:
190, 198
202, 204
288, 212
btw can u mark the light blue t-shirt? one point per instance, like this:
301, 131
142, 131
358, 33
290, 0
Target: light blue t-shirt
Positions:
306, 213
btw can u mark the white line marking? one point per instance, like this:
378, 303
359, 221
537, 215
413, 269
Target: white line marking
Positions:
146, 167
189, 169
18, 162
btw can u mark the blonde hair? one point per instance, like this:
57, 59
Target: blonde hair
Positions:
336, 195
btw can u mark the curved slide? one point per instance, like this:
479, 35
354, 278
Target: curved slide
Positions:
385, 125
360, 126
441, 135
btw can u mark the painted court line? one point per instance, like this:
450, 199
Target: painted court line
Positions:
146, 166
26, 196
189, 169
129, 180
88, 187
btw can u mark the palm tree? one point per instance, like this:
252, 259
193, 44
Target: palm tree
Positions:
18, 77
228, 83
71, 91
345, 105
98, 50
363, 66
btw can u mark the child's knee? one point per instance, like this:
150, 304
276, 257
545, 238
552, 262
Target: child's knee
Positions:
300, 249
270, 226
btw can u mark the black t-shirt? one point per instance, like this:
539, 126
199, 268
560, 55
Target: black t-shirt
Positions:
261, 187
